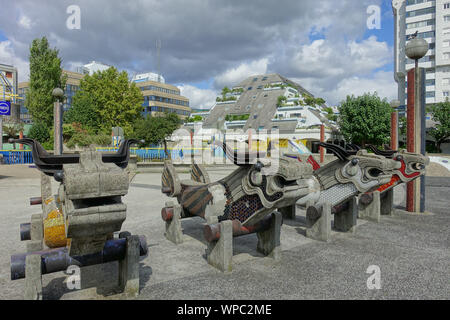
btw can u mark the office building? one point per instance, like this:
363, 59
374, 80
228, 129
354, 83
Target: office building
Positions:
160, 97
431, 21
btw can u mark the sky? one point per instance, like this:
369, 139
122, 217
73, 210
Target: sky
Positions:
326, 46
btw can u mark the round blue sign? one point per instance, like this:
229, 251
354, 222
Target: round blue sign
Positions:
5, 108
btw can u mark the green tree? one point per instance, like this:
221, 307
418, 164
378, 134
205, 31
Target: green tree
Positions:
195, 118
365, 119
45, 75
105, 100
155, 130
39, 131
281, 100
330, 114
83, 111
440, 113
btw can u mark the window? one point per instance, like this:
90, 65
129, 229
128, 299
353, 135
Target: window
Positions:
446, 55
446, 30
415, 25
420, 12
447, 18
429, 34
249, 88
264, 79
447, 5
445, 93
429, 94
255, 79
430, 82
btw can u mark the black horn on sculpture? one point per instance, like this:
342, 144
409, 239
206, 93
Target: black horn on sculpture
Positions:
51, 164
338, 151
384, 153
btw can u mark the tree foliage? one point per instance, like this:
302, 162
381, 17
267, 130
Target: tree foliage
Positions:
440, 113
39, 131
45, 75
155, 130
365, 119
105, 100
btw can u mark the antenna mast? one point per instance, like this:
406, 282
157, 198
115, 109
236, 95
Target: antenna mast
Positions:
158, 50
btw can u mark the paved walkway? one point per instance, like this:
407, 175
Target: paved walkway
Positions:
412, 252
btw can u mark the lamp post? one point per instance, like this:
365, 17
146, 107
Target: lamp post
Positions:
57, 122
394, 124
415, 135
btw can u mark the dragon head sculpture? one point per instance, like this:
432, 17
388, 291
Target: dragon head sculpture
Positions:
257, 187
412, 165
354, 172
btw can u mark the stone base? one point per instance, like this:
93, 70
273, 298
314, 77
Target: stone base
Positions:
288, 212
345, 221
319, 228
269, 240
129, 269
174, 232
34, 245
371, 211
220, 253
387, 202
33, 279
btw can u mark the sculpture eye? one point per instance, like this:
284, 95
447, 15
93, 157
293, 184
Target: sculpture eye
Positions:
355, 161
374, 172
399, 158
256, 178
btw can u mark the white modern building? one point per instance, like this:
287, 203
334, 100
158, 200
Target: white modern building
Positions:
93, 67
148, 76
431, 20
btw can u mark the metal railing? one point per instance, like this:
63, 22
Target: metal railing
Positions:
16, 156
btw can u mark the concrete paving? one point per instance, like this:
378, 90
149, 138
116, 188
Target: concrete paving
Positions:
411, 250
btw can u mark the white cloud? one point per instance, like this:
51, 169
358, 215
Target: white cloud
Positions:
198, 98
234, 75
25, 22
8, 56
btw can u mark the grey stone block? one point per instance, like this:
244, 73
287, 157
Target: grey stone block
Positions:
371, 211
269, 240
387, 202
220, 252
319, 227
174, 232
37, 227
288, 212
33, 277
345, 221
34, 245
129, 268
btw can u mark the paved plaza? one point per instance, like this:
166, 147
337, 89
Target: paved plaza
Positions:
411, 250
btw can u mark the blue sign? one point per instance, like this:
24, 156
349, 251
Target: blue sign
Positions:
5, 108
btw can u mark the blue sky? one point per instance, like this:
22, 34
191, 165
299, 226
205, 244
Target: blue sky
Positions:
211, 43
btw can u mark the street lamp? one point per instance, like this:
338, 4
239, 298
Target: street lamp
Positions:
415, 134
58, 93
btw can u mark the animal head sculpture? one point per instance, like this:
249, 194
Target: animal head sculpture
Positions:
365, 171
248, 194
412, 165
